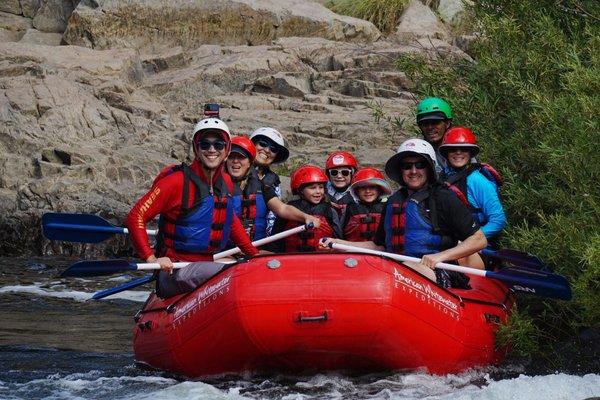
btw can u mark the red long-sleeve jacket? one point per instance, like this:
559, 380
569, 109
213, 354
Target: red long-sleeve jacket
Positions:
164, 197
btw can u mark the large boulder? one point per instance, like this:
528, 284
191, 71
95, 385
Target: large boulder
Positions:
52, 15
190, 23
419, 21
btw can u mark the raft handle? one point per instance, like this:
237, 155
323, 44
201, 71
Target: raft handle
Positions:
303, 318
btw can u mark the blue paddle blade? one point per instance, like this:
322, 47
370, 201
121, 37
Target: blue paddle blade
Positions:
99, 268
121, 288
533, 281
83, 228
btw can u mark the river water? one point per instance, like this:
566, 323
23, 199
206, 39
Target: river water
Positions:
54, 344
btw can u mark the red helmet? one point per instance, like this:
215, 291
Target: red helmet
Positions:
370, 177
459, 136
341, 159
244, 146
307, 174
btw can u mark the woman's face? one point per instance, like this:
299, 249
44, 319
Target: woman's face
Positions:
313, 193
368, 194
266, 151
238, 165
458, 157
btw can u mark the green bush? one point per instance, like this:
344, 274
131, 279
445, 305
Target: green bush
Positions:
533, 98
384, 14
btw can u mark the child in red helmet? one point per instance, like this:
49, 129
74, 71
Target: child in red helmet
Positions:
363, 216
340, 168
308, 182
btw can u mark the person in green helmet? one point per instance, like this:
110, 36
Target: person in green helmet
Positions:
434, 118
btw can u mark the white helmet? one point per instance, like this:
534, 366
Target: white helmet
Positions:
411, 147
282, 152
213, 124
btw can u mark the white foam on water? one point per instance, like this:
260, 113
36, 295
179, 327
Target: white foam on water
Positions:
468, 386
547, 387
60, 291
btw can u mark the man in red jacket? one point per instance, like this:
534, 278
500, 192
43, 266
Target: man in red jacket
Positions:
197, 216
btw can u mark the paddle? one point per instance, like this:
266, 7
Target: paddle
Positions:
108, 267
531, 281
84, 228
518, 258
125, 286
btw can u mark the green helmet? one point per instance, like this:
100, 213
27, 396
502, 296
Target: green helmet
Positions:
433, 108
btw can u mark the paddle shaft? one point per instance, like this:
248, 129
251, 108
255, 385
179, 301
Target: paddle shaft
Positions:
266, 240
91, 228
400, 257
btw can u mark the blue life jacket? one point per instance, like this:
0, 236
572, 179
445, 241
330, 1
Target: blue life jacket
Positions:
411, 225
202, 227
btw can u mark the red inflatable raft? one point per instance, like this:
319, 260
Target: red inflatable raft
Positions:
316, 312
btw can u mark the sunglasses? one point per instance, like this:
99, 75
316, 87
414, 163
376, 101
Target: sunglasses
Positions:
459, 149
406, 166
206, 144
344, 172
264, 144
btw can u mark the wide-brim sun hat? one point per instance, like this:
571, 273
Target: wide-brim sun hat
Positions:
384, 187
274, 137
411, 147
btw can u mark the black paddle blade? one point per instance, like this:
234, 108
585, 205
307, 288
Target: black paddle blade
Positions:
82, 228
537, 282
517, 258
98, 268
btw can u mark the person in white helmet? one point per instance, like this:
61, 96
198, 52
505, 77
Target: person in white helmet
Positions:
270, 149
422, 218
194, 202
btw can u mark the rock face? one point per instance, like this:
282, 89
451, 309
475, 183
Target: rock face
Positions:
139, 23
87, 130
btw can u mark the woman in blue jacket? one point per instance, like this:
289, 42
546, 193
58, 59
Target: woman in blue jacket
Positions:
476, 184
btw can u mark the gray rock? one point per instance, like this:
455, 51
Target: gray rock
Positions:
11, 6
190, 23
30, 7
452, 11
7, 35
286, 84
52, 15
13, 22
419, 21
34, 36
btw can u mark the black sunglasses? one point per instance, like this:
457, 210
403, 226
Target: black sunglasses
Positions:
405, 166
344, 172
264, 144
458, 148
206, 144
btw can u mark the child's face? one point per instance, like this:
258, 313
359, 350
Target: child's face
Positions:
313, 193
368, 194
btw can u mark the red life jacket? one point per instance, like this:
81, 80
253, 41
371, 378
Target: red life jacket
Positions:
362, 220
308, 240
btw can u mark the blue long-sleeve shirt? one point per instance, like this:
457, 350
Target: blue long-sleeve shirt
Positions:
482, 195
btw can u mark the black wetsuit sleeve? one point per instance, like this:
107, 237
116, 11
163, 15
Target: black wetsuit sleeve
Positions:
277, 246
379, 238
336, 225
268, 192
454, 217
